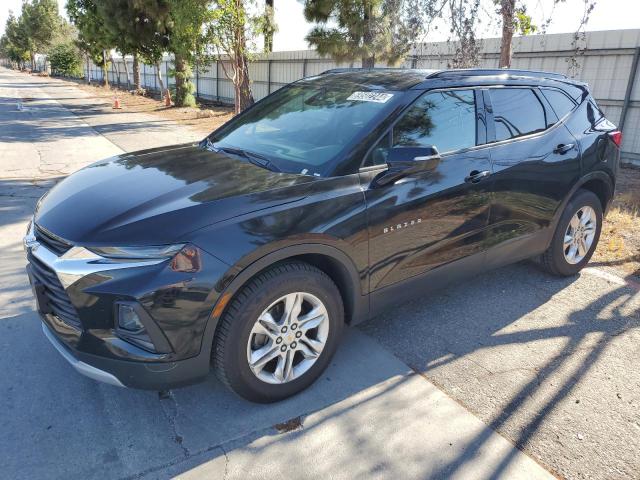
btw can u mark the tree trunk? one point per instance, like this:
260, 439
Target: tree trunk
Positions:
268, 33
507, 9
105, 73
368, 60
126, 71
116, 68
88, 69
160, 81
180, 67
244, 96
184, 85
33, 62
136, 72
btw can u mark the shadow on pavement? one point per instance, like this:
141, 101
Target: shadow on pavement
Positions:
456, 325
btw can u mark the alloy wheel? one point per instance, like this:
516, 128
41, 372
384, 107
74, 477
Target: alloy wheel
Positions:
288, 338
579, 235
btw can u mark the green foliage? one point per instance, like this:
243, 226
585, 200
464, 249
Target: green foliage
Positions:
523, 22
34, 31
267, 25
65, 60
186, 36
140, 27
184, 94
230, 28
14, 43
232, 31
369, 30
517, 11
42, 23
93, 37
187, 42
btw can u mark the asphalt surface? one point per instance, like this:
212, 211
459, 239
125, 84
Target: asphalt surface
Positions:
419, 392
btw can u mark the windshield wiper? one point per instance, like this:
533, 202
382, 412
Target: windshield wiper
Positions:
255, 158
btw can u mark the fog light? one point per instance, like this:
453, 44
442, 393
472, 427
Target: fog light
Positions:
128, 319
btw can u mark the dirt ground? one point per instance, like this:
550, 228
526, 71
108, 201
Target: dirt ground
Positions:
204, 118
619, 247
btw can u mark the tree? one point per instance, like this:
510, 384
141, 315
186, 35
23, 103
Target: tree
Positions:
65, 59
118, 19
464, 14
41, 24
229, 30
14, 43
94, 39
368, 30
187, 42
514, 19
137, 28
151, 30
268, 25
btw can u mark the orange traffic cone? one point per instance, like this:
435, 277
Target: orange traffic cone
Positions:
116, 104
167, 99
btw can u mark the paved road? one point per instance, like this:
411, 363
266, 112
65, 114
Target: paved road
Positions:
543, 361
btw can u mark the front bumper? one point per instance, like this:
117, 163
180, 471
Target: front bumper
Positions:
76, 297
80, 366
124, 373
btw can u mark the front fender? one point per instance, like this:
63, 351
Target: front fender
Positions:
356, 301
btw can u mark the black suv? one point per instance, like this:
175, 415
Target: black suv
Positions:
321, 204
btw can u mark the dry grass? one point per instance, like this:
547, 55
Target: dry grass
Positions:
619, 245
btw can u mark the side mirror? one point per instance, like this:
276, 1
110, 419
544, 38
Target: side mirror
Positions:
405, 161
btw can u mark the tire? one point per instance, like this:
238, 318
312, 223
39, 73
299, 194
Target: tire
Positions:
557, 260
238, 335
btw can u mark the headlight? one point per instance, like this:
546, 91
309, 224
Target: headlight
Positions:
135, 253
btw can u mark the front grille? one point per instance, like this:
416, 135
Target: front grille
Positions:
51, 241
57, 299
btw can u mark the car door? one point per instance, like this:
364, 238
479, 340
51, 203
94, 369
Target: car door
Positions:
536, 160
430, 219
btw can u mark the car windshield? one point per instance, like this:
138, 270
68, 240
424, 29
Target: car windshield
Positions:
302, 128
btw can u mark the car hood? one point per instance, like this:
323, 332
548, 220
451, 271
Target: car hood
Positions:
157, 196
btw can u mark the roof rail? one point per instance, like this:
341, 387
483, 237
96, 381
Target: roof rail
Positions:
358, 69
494, 71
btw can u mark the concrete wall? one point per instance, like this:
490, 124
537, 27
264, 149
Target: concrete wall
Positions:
606, 64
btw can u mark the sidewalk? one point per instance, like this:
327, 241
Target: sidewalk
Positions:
369, 416
51, 128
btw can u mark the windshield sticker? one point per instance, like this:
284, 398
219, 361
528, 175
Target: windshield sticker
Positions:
377, 97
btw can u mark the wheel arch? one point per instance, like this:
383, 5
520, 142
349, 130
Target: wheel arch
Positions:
602, 186
331, 260
599, 182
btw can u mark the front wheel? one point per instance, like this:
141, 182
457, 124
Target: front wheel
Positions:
279, 333
576, 236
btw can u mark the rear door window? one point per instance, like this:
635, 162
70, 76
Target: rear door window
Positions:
516, 112
560, 102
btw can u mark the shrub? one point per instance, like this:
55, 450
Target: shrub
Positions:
65, 60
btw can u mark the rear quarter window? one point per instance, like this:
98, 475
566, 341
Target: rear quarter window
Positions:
560, 102
516, 112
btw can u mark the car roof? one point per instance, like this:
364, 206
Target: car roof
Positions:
405, 78
371, 78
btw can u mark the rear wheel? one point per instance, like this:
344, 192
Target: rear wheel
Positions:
576, 236
279, 333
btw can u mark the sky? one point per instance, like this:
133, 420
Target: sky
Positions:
292, 27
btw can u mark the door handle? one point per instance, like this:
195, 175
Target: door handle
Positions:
475, 176
563, 148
